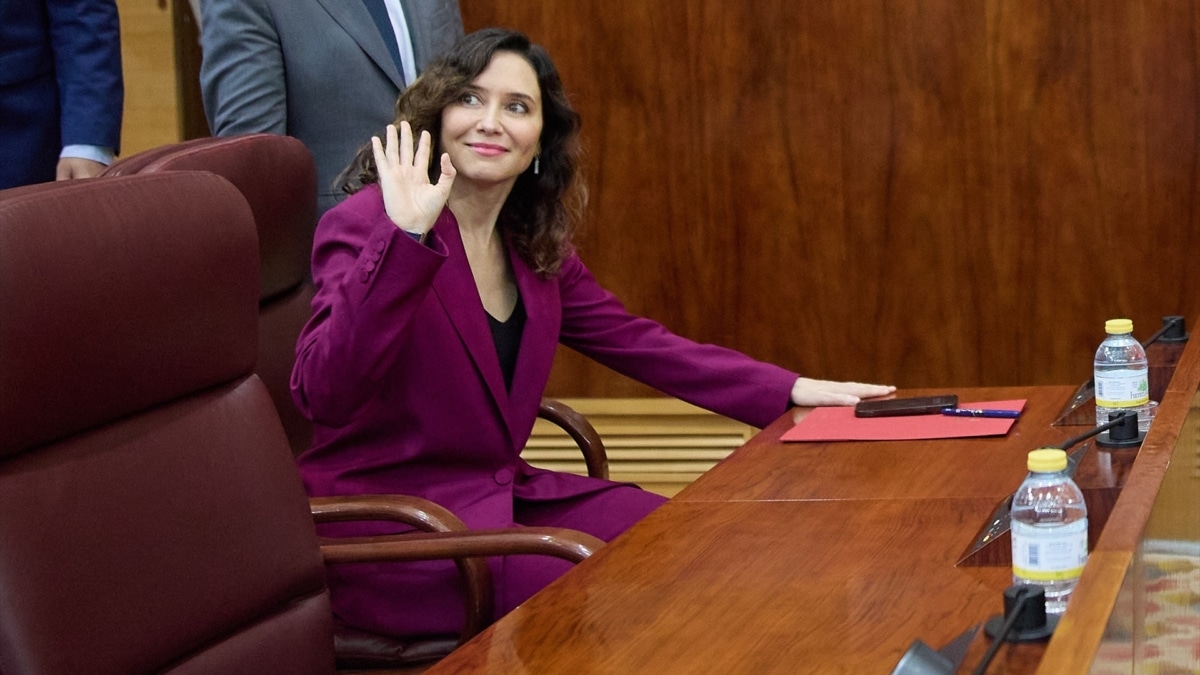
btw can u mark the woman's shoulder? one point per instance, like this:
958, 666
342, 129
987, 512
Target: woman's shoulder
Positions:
357, 210
368, 198
571, 262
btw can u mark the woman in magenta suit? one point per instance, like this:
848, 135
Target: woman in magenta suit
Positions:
443, 289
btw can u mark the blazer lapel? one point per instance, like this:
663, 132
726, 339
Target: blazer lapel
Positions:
353, 17
543, 309
455, 289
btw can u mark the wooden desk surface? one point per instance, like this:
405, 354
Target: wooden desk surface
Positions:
791, 558
753, 587
766, 469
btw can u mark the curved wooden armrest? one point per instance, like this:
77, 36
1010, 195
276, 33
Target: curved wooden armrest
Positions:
415, 511
570, 545
581, 431
442, 536
478, 599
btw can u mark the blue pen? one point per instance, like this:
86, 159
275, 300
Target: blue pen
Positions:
977, 412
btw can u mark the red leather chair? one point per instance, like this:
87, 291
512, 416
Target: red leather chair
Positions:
277, 177
151, 516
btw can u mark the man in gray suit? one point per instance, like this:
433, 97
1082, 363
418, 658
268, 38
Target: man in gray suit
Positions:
324, 71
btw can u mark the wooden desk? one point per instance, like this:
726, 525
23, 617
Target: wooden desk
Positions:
766, 469
795, 558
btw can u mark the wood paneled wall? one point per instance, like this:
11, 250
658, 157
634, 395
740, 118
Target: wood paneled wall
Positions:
151, 111
929, 193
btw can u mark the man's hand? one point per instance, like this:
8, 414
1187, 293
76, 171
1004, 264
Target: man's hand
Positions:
77, 167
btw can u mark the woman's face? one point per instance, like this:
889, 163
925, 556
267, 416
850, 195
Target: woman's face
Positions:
492, 132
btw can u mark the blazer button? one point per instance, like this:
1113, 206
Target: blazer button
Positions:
504, 476
364, 277
379, 245
370, 266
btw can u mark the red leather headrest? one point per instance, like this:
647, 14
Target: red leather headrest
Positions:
99, 314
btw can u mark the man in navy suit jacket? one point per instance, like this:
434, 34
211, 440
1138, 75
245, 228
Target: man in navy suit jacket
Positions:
61, 90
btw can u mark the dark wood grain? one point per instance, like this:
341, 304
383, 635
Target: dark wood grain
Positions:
754, 587
923, 193
832, 558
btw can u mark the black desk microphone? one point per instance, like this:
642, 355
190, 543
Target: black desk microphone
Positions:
921, 659
1024, 620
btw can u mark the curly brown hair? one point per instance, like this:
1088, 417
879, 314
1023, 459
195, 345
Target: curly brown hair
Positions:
541, 213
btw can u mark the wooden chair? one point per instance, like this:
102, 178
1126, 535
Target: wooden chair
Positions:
151, 516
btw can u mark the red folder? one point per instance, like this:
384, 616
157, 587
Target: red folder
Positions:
840, 424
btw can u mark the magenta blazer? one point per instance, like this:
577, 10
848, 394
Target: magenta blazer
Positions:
399, 373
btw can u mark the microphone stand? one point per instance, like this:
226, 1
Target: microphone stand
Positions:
1120, 431
1023, 599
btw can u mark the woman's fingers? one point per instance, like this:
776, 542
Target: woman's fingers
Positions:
409, 199
448, 172
421, 159
380, 155
399, 152
808, 392
404, 149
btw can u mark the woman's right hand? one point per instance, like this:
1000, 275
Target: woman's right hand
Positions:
410, 200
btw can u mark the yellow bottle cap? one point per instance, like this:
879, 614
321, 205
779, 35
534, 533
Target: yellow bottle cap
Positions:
1118, 326
1046, 460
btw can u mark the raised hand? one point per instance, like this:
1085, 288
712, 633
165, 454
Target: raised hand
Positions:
410, 200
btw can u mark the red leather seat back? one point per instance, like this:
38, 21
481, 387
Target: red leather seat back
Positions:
151, 517
277, 177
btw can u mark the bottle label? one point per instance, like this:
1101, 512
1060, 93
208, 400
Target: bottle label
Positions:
1049, 553
1125, 388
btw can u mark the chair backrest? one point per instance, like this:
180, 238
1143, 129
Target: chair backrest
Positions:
277, 177
151, 517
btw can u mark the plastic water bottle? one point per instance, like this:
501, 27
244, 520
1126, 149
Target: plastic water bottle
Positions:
1122, 375
1049, 529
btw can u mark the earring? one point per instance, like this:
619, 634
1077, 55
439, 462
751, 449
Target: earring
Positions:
536, 163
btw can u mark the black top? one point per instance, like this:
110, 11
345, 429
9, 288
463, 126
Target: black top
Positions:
507, 336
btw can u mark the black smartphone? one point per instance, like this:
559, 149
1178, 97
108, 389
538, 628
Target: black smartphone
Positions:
915, 405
